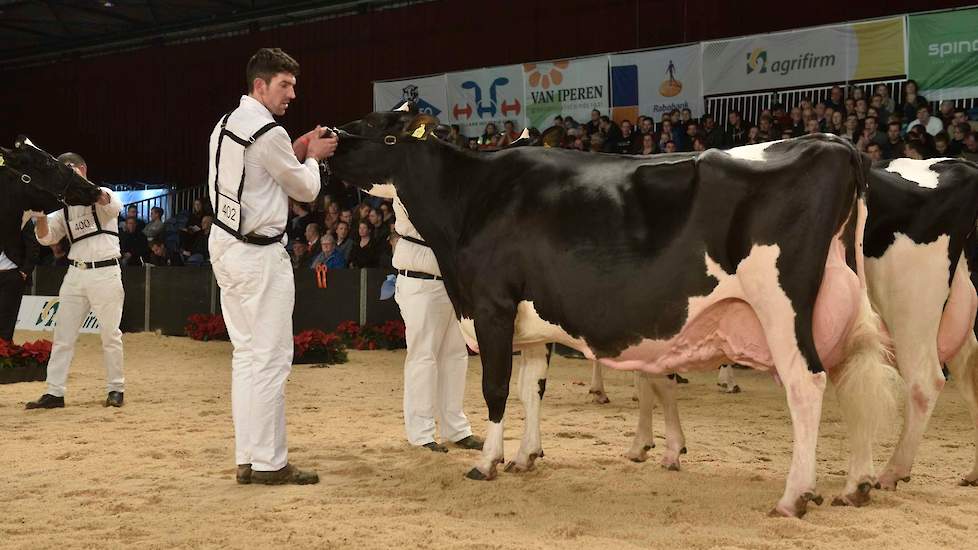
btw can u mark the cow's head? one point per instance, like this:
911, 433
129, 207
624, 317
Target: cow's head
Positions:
371, 150
42, 170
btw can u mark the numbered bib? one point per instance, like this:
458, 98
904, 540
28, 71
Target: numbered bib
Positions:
229, 212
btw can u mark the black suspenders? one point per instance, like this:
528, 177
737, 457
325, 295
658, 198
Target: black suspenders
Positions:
251, 239
98, 227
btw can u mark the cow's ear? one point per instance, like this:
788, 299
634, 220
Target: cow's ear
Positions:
421, 126
553, 136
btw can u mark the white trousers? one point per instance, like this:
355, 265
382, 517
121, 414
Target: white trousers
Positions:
434, 370
257, 297
84, 290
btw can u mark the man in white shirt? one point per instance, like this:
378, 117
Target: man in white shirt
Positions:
93, 283
254, 168
933, 125
434, 369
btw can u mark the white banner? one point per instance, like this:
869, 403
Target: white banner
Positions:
476, 98
839, 53
568, 88
40, 313
656, 82
427, 92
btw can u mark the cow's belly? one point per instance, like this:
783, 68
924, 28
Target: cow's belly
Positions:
721, 327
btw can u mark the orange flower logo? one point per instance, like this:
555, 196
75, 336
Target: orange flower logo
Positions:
542, 77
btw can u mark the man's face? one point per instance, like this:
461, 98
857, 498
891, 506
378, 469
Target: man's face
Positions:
893, 133
626, 128
883, 91
276, 94
595, 115
130, 225
646, 125
328, 246
311, 233
960, 117
874, 152
877, 101
299, 248
666, 126
836, 94
923, 116
971, 143
811, 126
131, 212
342, 230
861, 105
871, 125
734, 118
157, 249
346, 216
509, 127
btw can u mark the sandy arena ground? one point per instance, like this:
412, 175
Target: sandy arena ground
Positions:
158, 473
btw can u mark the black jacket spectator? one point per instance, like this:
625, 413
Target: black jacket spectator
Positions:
132, 244
159, 256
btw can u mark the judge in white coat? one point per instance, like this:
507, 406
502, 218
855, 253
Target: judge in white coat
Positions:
93, 283
254, 168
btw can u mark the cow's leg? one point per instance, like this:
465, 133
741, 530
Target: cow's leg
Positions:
643, 441
916, 357
533, 384
597, 392
665, 393
495, 335
964, 374
726, 380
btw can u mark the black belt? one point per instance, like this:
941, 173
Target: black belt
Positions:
418, 275
95, 265
262, 240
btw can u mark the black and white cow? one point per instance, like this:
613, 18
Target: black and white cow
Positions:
42, 173
695, 260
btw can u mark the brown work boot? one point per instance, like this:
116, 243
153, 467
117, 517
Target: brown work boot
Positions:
288, 474
244, 474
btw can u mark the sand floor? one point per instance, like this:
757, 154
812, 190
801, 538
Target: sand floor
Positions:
158, 473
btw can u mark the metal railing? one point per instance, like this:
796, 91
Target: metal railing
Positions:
172, 203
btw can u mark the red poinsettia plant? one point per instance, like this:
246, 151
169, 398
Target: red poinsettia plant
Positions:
29, 355
389, 335
316, 346
202, 326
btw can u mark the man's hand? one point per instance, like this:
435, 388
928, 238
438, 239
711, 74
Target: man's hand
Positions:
23, 276
301, 145
322, 148
104, 198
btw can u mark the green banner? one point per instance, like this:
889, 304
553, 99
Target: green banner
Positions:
943, 53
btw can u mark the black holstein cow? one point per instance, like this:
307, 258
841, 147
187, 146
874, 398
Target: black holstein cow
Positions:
653, 264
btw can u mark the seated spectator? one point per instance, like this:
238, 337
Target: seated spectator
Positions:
132, 212
558, 121
886, 101
711, 132
155, 225
300, 253
958, 133
933, 125
753, 135
510, 134
313, 233
346, 215
970, 150
874, 151
941, 145
699, 144
300, 219
670, 147
198, 253
343, 241
132, 244
455, 136
364, 253
329, 255
916, 150
648, 145
918, 134
911, 101
960, 117
386, 211
946, 113
780, 120
611, 134
628, 143
851, 130
870, 134
876, 102
862, 106
377, 226
835, 100
200, 209
850, 107
736, 133
594, 125
893, 146
159, 256
685, 117
765, 128
797, 122
811, 126
836, 123
473, 144
665, 134
646, 127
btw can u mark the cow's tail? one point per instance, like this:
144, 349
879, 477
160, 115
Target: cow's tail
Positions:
865, 383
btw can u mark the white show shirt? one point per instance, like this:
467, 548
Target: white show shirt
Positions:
272, 175
92, 249
408, 255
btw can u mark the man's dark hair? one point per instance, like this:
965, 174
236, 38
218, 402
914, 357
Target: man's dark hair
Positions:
73, 159
873, 144
874, 119
133, 207
268, 62
157, 209
604, 118
897, 124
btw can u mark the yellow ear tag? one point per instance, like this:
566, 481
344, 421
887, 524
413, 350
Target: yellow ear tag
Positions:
2, 161
419, 133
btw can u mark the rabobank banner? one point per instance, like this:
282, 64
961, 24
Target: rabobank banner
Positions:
41, 313
838, 53
476, 98
944, 54
427, 92
655, 82
569, 88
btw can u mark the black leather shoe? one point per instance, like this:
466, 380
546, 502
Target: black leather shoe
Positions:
471, 442
47, 401
243, 476
287, 475
114, 399
434, 447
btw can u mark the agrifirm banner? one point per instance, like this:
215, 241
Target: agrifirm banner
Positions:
476, 98
839, 53
943, 51
569, 88
41, 313
427, 92
655, 82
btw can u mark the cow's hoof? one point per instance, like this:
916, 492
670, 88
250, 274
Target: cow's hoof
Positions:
968, 482
800, 507
682, 451
888, 482
518, 467
478, 475
671, 464
639, 455
599, 397
857, 499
